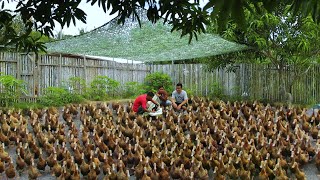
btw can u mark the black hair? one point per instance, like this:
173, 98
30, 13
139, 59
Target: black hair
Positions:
179, 84
150, 94
160, 87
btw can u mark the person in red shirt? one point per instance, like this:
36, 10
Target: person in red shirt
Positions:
140, 103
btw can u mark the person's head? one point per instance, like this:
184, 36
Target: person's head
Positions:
160, 88
150, 96
179, 87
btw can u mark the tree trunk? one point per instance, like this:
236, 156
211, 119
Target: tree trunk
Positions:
282, 87
284, 91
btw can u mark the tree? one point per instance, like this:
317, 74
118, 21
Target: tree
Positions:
183, 15
60, 35
33, 41
281, 38
82, 31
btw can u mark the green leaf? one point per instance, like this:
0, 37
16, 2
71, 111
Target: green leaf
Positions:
209, 5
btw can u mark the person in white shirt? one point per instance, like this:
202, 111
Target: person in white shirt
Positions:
179, 98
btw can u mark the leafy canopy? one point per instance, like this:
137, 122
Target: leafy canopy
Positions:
278, 37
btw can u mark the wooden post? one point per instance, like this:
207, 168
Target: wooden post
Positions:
172, 73
131, 70
196, 79
114, 65
60, 71
206, 83
36, 72
85, 69
18, 64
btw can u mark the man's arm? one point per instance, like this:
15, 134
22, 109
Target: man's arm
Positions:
155, 102
144, 106
145, 109
184, 102
185, 97
173, 100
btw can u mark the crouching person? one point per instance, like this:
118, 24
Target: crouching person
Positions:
140, 103
163, 96
179, 98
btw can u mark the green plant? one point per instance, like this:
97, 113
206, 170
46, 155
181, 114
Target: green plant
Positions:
11, 89
77, 85
56, 96
27, 105
102, 87
216, 91
154, 80
132, 89
190, 92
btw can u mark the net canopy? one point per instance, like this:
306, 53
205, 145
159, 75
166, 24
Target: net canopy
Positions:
150, 43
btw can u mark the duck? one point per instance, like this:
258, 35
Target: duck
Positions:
263, 175
163, 174
145, 174
202, 174
57, 169
217, 175
92, 175
84, 167
175, 172
297, 172
317, 158
51, 160
76, 174
10, 170
2, 167
280, 173
64, 174
121, 175
20, 164
4, 156
111, 175
231, 170
154, 175
139, 169
33, 171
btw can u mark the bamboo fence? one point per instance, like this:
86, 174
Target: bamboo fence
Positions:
253, 81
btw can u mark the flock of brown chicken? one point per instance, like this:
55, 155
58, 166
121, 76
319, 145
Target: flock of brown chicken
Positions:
230, 140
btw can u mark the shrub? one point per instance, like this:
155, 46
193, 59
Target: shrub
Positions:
56, 96
154, 80
132, 89
77, 85
12, 89
102, 87
216, 91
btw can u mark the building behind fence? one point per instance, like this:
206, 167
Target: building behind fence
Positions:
254, 81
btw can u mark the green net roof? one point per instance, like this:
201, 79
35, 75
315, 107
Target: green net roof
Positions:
151, 42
